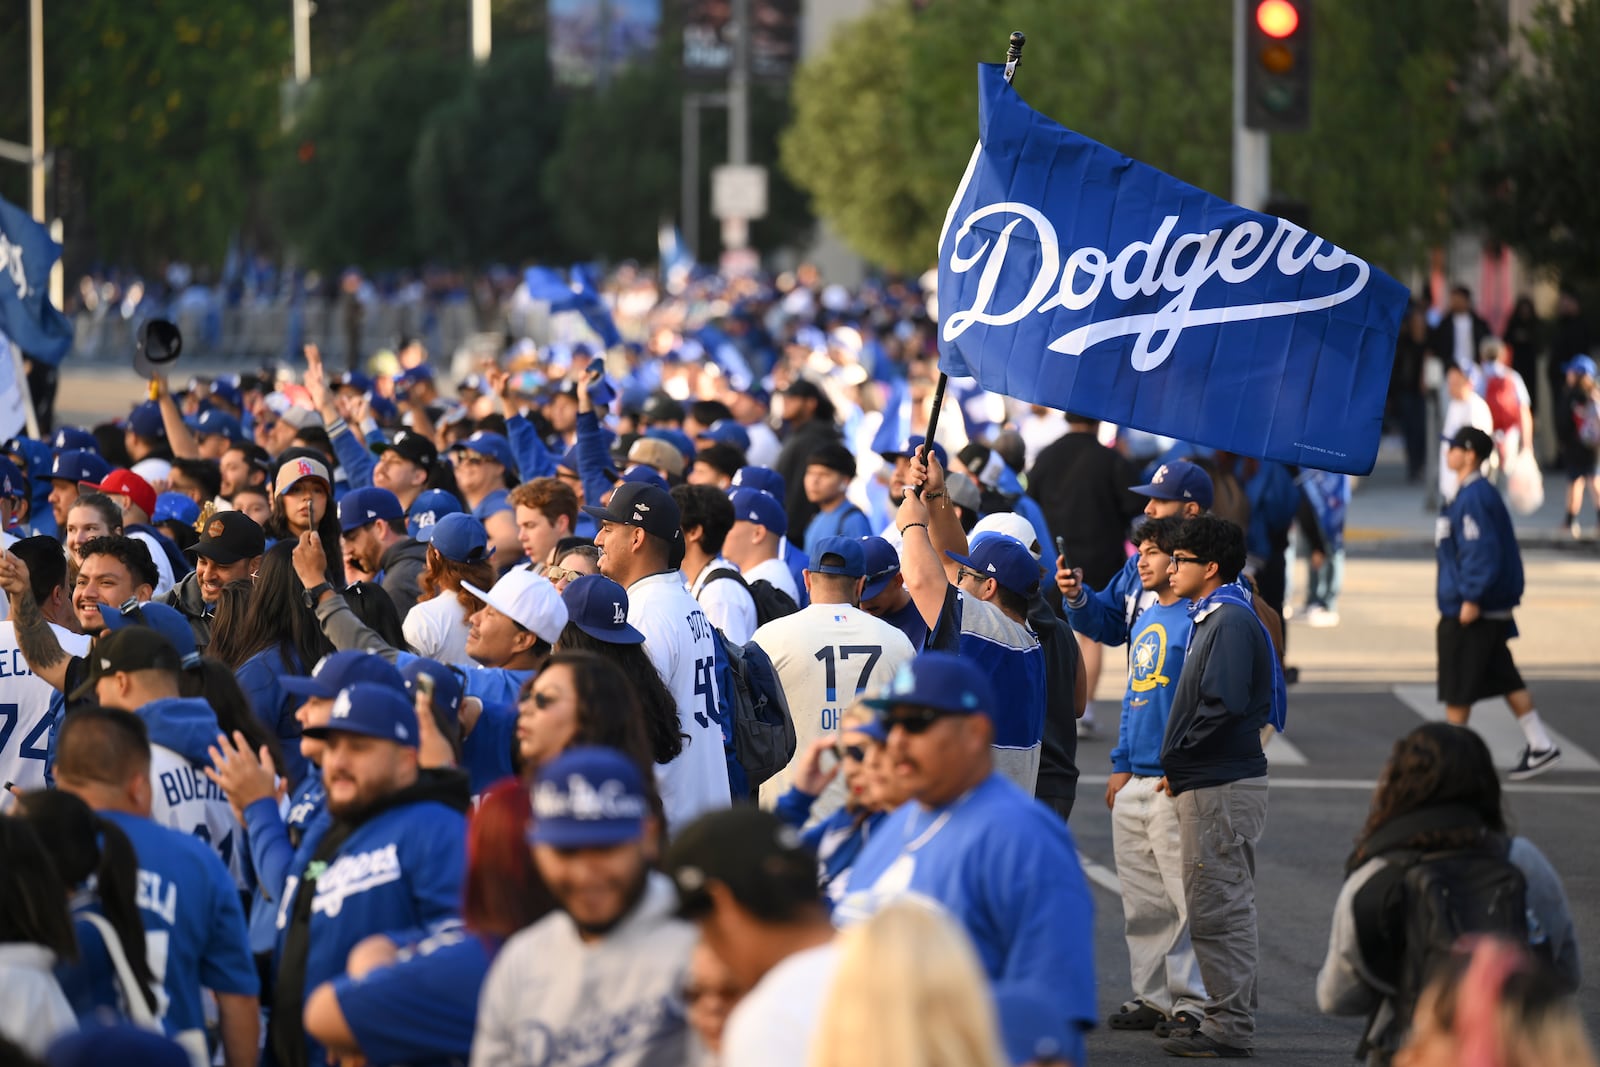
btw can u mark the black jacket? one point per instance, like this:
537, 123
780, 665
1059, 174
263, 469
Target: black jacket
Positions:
797, 450
1223, 699
185, 597
1082, 488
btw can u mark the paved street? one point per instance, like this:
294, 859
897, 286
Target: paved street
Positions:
1362, 685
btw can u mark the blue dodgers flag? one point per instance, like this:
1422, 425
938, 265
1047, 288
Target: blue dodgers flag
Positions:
26, 255
577, 295
1075, 277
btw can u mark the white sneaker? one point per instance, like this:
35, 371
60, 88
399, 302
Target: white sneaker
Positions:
1323, 619
1086, 730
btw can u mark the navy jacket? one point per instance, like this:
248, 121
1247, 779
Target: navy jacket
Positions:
1478, 556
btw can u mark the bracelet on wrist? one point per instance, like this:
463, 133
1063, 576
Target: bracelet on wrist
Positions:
933, 496
909, 525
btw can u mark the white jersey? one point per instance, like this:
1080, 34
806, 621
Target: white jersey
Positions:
552, 998
158, 556
775, 573
437, 629
725, 602
681, 643
182, 798
764, 445
27, 708
826, 656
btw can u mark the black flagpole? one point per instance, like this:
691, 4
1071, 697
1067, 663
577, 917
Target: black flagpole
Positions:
1013, 57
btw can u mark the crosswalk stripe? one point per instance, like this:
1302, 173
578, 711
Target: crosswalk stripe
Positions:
1367, 785
1282, 752
1497, 726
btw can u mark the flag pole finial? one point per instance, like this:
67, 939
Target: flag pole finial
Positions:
1014, 53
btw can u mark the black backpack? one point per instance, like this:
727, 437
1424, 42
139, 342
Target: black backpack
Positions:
1446, 896
757, 726
771, 602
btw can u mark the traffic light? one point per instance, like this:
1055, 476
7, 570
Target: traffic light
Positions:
1277, 65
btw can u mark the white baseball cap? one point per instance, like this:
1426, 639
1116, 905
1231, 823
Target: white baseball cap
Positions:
1013, 526
529, 599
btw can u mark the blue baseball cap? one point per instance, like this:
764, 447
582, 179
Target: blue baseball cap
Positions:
588, 797
74, 437
214, 423
1003, 558
940, 680
763, 478
447, 684
371, 710
168, 622
849, 550
226, 389
727, 432
430, 506
1579, 365
175, 507
1178, 480
340, 670
420, 373
145, 420
676, 438
756, 393
368, 504
79, 465
490, 444
913, 443
459, 538
882, 564
599, 607
570, 460
12, 483
763, 509
642, 475
354, 379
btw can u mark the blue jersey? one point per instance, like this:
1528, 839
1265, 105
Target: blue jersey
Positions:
493, 504
259, 678
1105, 615
422, 1010
90, 981
846, 520
1476, 545
281, 844
1006, 868
194, 926
1161, 633
909, 621
486, 751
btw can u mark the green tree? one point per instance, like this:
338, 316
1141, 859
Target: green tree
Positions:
1547, 145
160, 114
341, 189
476, 174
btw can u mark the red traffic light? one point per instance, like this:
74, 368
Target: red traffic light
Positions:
1277, 18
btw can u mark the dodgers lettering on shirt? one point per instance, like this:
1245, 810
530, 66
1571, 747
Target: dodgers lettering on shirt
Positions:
350, 875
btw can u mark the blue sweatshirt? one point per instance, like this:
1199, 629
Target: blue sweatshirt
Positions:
422, 1010
1104, 615
1156, 661
355, 458
1479, 560
533, 458
486, 751
260, 677
1006, 868
836, 840
594, 459
280, 848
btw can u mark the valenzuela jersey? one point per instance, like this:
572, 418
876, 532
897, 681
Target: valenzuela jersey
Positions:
826, 656
28, 708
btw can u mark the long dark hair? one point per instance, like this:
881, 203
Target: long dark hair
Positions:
277, 617
215, 681
278, 529
83, 846
1434, 765
609, 713
658, 709
371, 603
33, 899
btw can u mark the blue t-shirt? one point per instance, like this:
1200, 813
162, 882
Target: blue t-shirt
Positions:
909, 621
1006, 868
193, 923
421, 1011
1155, 659
486, 751
846, 520
499, 686
493, 504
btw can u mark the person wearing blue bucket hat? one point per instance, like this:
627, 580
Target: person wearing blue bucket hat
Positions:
974, 843
613, 933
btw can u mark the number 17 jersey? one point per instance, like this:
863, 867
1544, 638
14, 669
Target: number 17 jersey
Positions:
826, 656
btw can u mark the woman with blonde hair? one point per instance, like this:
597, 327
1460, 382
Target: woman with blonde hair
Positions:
909, 992
1494, 1005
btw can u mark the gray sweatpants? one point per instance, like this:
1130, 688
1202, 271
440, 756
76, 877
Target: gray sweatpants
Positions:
1218, 828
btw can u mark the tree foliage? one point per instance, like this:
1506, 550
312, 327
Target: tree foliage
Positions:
1547, 145
886, 116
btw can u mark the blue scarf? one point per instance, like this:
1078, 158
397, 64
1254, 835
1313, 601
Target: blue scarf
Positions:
1239, 593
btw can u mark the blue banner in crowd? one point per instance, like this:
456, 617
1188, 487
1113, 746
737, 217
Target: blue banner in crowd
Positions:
578, 295
26, 255
1075, 277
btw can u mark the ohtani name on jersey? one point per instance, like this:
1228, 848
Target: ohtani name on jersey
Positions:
355, 874
188, 783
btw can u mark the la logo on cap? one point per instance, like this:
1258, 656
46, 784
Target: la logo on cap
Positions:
618, 616
991, 568
341, 707
1161, 475
303, 467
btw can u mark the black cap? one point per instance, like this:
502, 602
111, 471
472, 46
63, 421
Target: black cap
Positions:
804, 388
756, 855
661, 408
412, 447
643, 505
229, 537
132, 648
835, 456
1473, 440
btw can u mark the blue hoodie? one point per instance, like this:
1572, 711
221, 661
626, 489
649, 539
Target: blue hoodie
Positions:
183, 798
837, 840
1157, 646
1104, 615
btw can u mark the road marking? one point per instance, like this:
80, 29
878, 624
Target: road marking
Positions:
1281, 752
1367, 785
1103, 877
1497, 726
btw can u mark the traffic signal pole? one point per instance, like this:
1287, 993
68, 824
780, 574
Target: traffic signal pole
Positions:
1252, 149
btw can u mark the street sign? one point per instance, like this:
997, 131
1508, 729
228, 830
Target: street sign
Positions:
739, 192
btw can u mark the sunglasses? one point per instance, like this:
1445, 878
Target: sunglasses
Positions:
854, 752
542, 701
917, 721
466, 459
562, 574
962, 574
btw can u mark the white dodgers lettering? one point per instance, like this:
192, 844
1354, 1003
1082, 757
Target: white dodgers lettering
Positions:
352, 875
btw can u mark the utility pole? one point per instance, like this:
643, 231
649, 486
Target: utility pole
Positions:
482, 32
302, 41
736, 229
1252, 149
36, 108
